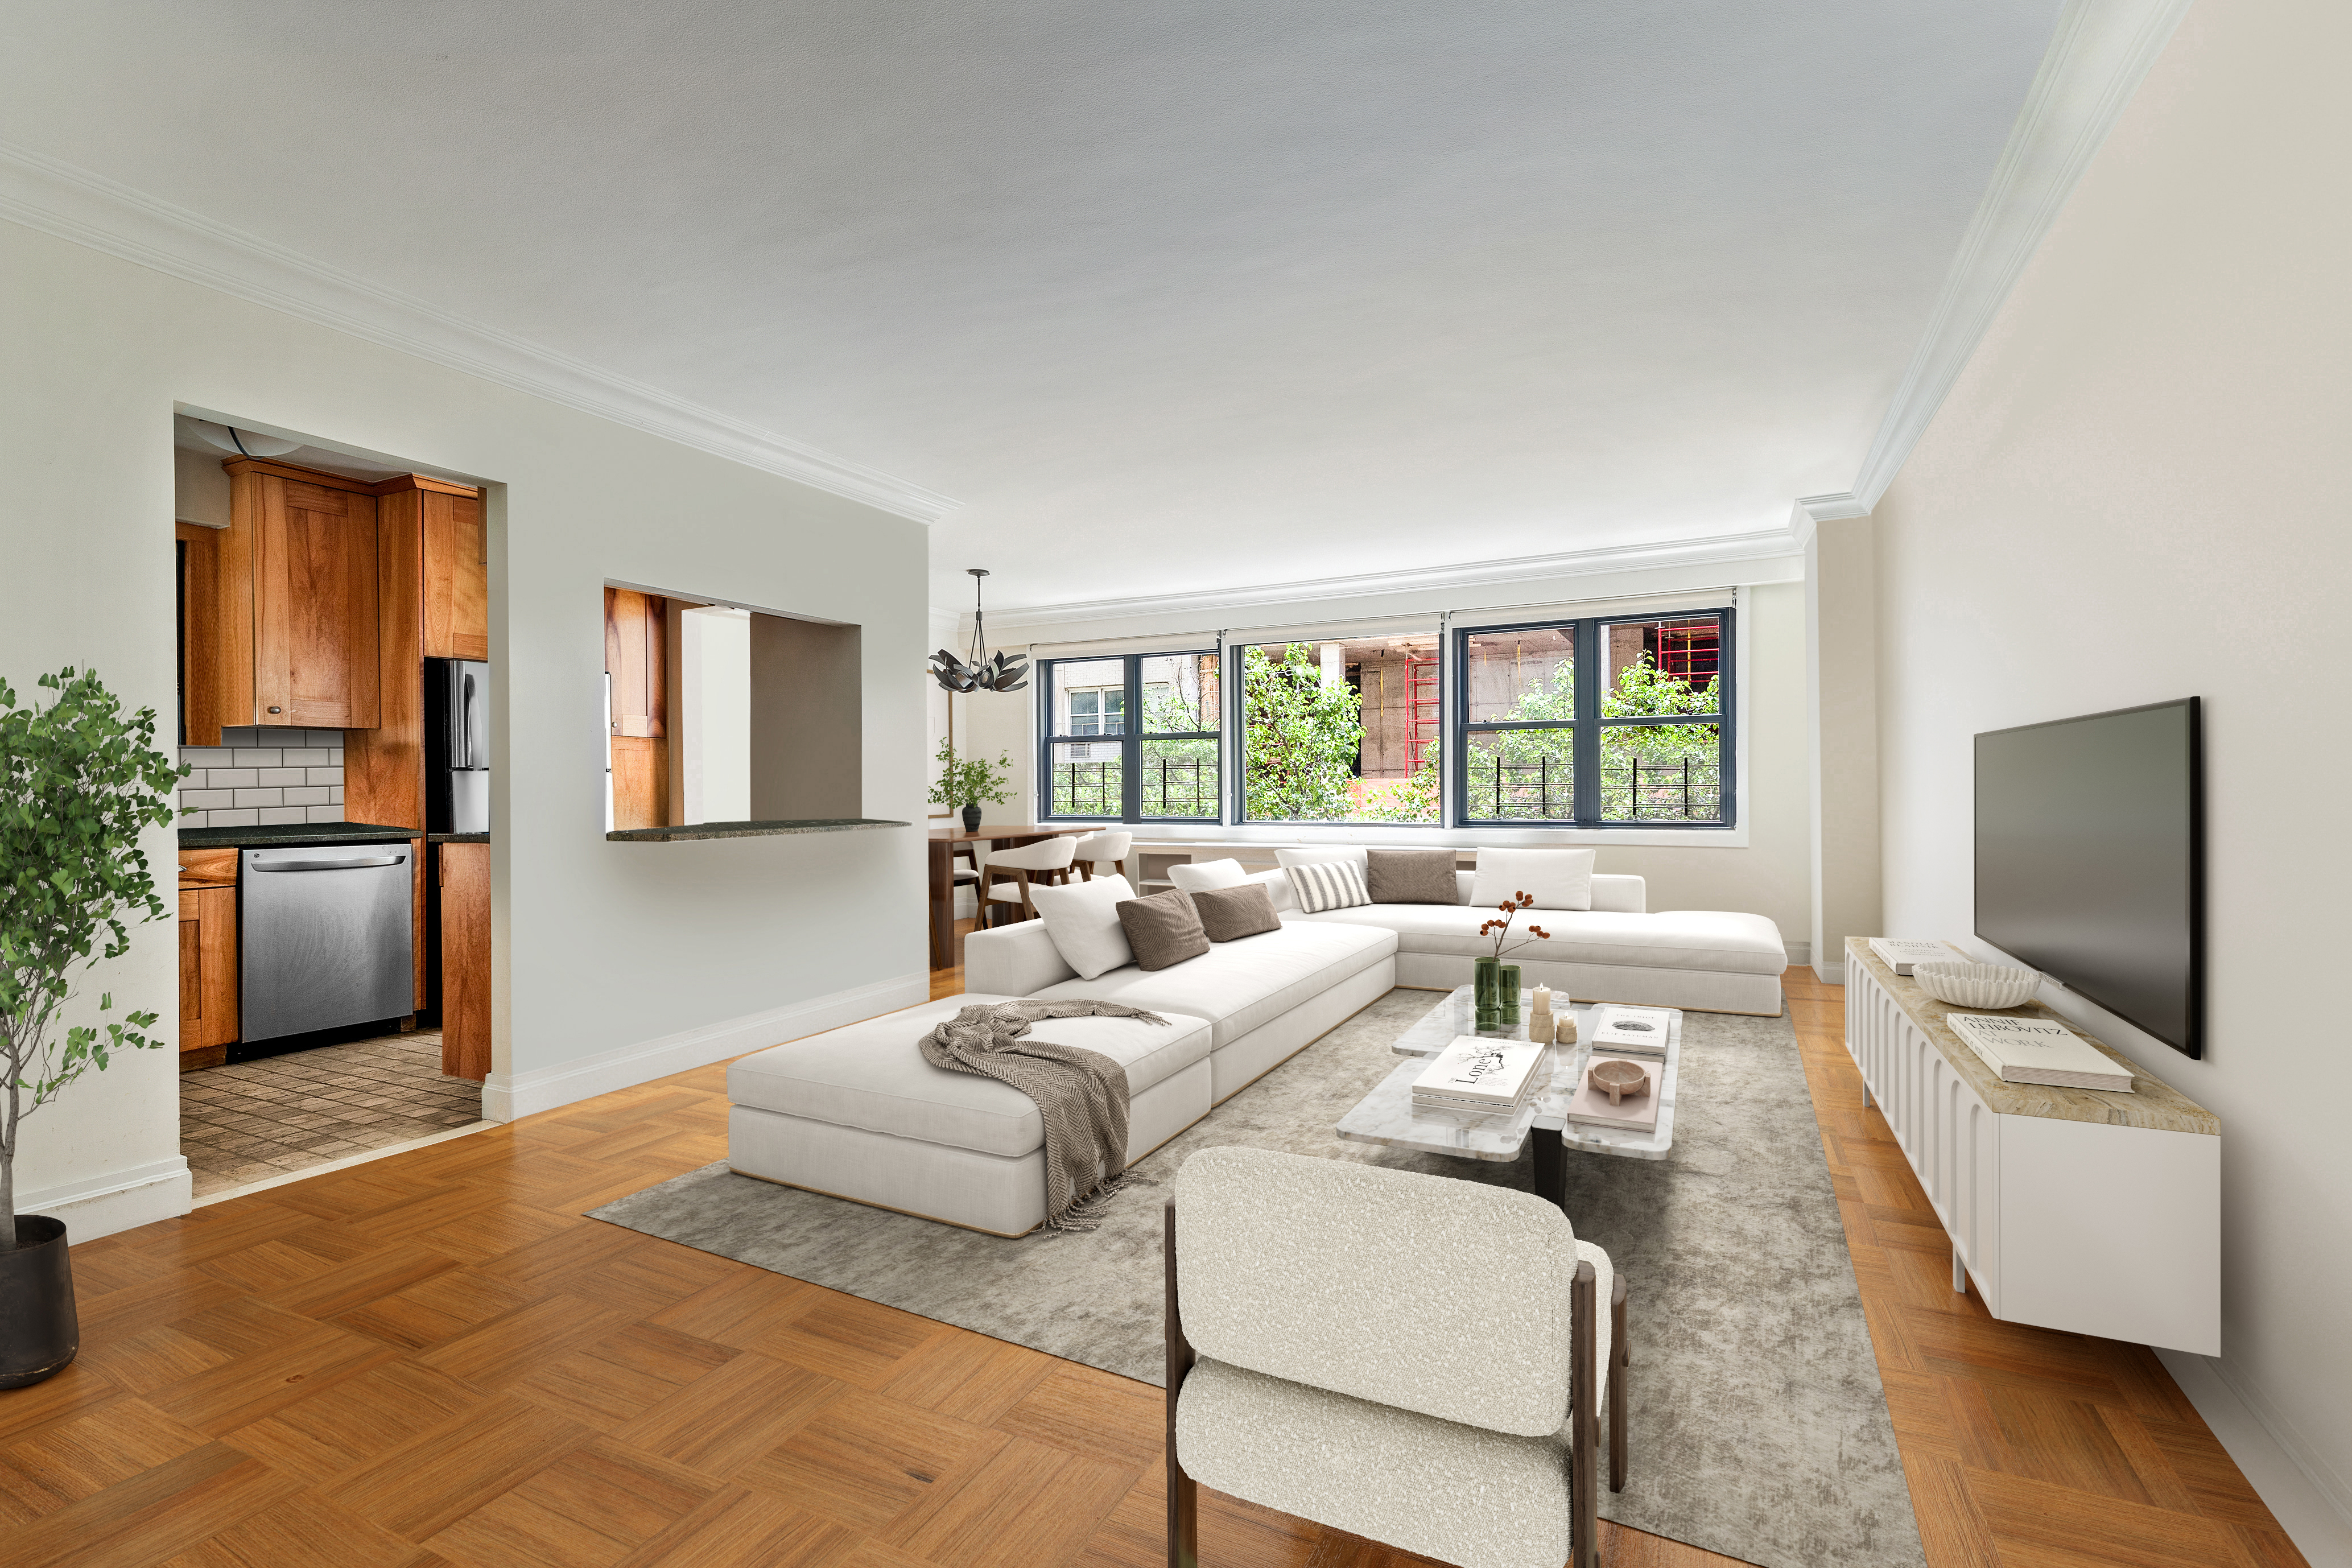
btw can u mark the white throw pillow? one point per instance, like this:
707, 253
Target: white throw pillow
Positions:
1278, 888
1353, 854
1207, 876
1556, 878
1329, 885
1083, 921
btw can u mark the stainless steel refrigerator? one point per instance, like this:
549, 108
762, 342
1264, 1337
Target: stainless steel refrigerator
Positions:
457, 745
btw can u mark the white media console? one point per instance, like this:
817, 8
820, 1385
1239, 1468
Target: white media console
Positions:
2071, 1208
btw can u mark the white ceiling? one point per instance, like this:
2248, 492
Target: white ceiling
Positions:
1167, 297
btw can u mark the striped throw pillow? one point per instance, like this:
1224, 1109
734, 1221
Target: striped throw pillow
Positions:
1329, 885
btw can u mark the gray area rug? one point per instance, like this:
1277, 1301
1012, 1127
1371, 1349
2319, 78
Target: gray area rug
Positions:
1757, 1426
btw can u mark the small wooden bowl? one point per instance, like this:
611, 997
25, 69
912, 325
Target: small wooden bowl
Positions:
1617, 1080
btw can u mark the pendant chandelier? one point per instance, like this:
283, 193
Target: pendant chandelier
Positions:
980, 672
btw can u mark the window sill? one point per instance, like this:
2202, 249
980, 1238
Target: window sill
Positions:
748, 829
1405, 837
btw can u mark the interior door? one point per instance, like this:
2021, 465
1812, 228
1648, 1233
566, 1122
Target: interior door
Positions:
314, 602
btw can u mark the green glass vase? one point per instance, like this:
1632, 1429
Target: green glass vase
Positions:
1506, 993
1487, 982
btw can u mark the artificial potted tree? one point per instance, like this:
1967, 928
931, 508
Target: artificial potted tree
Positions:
79, 781
968, 780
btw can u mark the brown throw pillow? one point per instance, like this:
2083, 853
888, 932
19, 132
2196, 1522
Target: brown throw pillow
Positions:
1410, 877
1163, 929
1229, 912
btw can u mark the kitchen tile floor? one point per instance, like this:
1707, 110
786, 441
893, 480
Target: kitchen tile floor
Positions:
262, 1118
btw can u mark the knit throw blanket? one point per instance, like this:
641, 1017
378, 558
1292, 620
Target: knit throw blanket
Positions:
1081, 1094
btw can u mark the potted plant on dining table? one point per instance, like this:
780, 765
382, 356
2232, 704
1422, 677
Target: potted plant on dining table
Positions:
967, 781
1495, 985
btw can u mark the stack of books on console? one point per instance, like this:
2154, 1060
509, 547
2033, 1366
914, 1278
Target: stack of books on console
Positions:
1900, 953
2039, 1050
1483, 1077
1631, 1031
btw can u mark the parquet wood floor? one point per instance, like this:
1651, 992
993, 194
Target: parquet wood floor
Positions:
433, 1358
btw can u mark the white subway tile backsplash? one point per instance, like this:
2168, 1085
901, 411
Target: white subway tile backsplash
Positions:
335, 794
324, 813
281, 776
259, 757
205, 756
239, 735
206, 799
306, 756
261, 797
307, 796
271, 816
245, 817
335, 756
323, 775
232, 778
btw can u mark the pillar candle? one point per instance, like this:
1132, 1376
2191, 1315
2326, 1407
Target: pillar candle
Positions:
1543, 999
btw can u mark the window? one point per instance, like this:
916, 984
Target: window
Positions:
1596, 722
1096, 764
1344, 731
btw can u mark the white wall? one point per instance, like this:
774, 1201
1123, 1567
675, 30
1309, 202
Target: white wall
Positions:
1841, 693
603, 951
1764, 867
714, 733
2136, 492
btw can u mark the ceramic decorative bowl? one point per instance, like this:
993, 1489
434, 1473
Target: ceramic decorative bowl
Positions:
1977, 985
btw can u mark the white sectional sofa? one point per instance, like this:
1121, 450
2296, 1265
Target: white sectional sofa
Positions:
858, 1113
1713, 960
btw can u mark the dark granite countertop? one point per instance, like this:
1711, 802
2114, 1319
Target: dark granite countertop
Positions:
458, 838
748, 829
280, 834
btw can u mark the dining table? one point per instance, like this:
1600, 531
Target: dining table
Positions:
943, 849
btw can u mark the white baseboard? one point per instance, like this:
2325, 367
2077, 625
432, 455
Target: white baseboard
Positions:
506, 1096
1829, 973
2312, 1505
119, 1199
1799, 953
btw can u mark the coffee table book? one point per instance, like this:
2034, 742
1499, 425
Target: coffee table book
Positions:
1631, 1031
1633, 1114
1473, 1074
1900, 953
2038, 1050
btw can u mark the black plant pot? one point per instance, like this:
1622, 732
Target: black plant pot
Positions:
38, 1331
971, 818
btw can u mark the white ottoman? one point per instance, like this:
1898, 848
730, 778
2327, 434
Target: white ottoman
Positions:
858, 1113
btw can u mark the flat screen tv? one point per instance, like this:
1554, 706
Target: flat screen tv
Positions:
2090, 851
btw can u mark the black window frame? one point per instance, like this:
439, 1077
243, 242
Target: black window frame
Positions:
1130, 738
1587, 726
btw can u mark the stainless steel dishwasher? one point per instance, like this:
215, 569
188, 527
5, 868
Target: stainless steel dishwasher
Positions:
325, 938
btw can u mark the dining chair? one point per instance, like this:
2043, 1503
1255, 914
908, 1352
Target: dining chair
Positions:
1047, 860
1419, 1360
1107, 847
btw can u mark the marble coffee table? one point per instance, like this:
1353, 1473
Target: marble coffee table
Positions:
1387, 1115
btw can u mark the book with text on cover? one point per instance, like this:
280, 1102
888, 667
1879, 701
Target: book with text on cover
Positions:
2038, 1050
1900, 953
1632, 1031
1473, 1074
1631, 1113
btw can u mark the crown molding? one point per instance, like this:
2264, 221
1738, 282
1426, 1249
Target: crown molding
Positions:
1810, 512
73, 204
2101, 52
1766, 544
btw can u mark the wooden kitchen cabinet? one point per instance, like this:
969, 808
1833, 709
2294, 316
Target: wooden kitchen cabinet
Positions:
456, 572
636, 664
464, 920
296, 585
208, 976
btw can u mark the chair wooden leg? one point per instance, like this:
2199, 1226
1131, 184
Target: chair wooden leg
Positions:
1621, 1356
1183, 1492
1028, 908
1583, 1354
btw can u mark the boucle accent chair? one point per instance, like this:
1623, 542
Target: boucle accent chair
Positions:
1414, 1359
